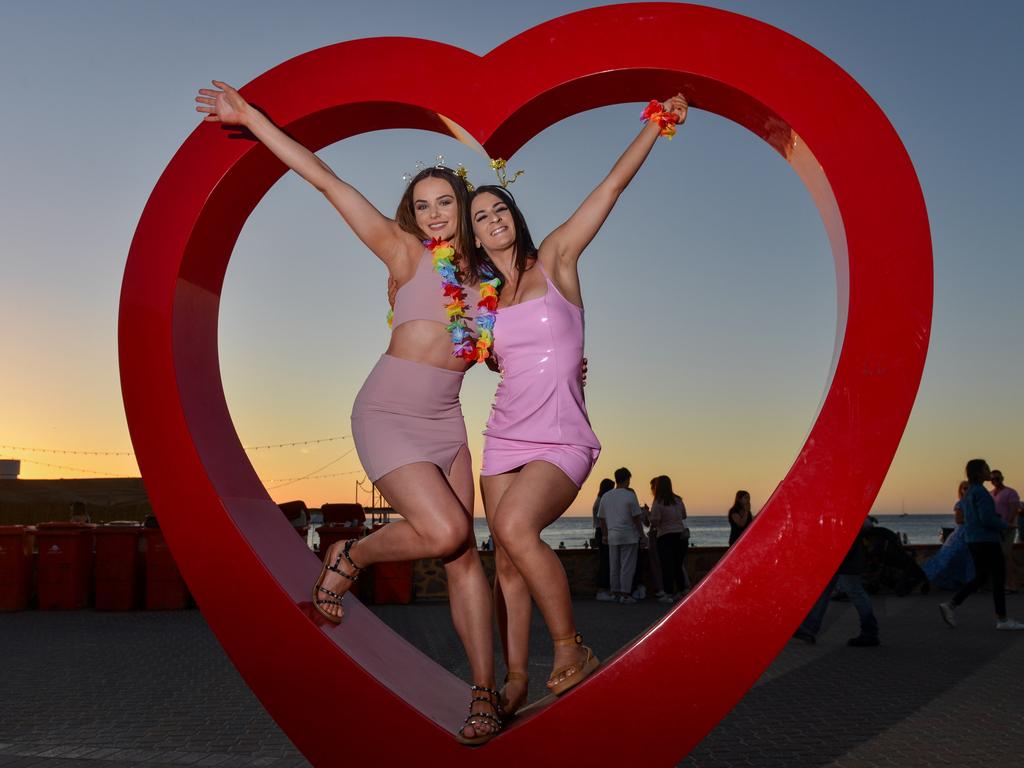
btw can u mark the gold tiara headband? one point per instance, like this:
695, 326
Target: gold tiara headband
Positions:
498, 165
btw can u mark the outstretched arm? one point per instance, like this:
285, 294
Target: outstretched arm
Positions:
569, 240
380, 234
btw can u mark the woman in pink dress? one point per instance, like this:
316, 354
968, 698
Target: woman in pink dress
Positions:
407, 422
539, 446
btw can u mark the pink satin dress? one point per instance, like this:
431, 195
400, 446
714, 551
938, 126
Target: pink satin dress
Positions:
539, 413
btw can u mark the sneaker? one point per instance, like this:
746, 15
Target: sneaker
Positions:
659, 594
1009, 624
807, 637
863, 641
640, 593
666, 599
946, 609
606, 597
626, 599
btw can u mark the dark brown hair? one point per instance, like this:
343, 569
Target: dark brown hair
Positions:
405, 216
663, 492
524, 247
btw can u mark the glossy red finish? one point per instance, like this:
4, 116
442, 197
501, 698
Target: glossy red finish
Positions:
251, 575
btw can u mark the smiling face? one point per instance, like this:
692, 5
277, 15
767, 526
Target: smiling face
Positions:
493, 226
435, 208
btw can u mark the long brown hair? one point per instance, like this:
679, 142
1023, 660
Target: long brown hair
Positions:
405, 216
663, 492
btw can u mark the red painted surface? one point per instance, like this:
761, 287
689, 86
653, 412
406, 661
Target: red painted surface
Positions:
15, 566
252, 577
65, 565
165, 587
118, 567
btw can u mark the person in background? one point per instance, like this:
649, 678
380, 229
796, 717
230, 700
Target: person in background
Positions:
952, 567
1008, 508
668, 519
983, 529
619, 514
740, 516
601, 545
79, 513
850, 580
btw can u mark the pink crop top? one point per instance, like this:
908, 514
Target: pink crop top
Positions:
422, 298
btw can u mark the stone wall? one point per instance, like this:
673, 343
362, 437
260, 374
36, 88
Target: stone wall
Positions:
430, 582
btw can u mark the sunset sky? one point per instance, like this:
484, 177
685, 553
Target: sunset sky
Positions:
710, 292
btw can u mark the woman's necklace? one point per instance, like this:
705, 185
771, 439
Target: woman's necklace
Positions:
465, 344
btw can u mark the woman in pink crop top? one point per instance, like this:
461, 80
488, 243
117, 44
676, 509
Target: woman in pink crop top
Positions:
407, 420
538, 445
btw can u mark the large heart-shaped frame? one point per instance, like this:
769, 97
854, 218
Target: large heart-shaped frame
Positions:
251, 575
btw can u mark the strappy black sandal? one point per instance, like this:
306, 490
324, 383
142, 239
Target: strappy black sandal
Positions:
333, 598
474, 719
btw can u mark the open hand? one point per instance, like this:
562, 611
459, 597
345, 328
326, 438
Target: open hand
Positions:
223, 105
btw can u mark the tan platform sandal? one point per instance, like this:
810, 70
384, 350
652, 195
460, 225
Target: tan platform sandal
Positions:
333, 598
474, 719
506, 708
581, 669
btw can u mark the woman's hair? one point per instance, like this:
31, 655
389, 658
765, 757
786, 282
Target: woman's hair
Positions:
975, 469
736, 504
962, 488
405, 216
606, 485
663, 493
524, 247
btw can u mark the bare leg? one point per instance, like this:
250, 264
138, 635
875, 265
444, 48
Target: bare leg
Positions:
512, 604
527, 502
436, 523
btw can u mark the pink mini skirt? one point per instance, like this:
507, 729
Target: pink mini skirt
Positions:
405, 413
503, 455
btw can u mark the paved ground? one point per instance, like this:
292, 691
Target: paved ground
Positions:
93, 690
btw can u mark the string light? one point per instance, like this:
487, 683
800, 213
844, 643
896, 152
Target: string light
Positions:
315, 471
129, 453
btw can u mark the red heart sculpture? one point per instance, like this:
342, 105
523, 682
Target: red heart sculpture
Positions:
375, 700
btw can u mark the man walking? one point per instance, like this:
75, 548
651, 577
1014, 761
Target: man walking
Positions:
849, 580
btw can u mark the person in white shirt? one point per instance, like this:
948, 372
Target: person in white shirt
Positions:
619, 516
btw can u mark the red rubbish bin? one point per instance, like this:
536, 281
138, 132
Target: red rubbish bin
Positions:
392, 582
15, 566
118, 567
165, 589
65, 565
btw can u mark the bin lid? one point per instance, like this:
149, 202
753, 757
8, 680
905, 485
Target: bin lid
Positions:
15, 530
58, 527
343, 513
119, 528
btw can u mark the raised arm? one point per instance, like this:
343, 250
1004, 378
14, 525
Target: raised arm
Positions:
570, 239
378, 232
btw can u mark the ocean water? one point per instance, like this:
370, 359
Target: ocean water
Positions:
714, 531
709, 531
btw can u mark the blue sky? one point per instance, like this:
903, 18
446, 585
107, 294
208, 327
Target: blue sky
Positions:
710, 293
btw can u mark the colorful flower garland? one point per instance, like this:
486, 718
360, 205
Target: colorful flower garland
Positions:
464, 343
667, 121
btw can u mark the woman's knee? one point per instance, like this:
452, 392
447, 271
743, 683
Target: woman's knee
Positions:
510, 533
448, 535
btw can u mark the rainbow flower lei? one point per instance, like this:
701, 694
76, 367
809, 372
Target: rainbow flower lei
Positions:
464, 343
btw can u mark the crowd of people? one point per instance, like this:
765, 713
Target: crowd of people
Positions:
639, 544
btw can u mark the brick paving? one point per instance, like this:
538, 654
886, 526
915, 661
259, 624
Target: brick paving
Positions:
100, 689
